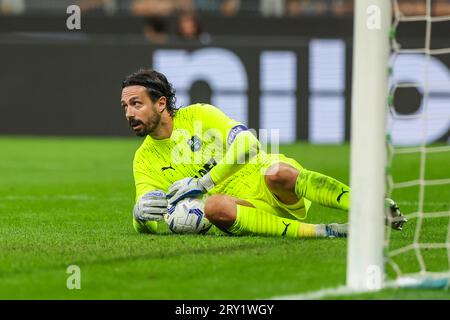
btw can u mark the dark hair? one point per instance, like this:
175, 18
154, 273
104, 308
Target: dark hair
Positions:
156, 84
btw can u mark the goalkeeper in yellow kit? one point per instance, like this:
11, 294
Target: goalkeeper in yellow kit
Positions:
198, 150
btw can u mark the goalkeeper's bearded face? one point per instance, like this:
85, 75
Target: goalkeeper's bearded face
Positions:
142, 113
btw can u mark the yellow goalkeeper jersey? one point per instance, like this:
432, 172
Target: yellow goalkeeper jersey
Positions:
201, 133
201, 136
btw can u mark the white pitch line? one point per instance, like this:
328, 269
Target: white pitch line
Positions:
427, 280
320, 294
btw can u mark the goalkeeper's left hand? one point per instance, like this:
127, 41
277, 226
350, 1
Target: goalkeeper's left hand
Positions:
189, 187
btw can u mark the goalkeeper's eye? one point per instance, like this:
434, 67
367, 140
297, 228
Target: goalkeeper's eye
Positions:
137, 104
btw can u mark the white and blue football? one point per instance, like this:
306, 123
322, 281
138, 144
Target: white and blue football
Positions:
187, 216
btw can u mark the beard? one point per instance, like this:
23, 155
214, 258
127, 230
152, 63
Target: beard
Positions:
141, 128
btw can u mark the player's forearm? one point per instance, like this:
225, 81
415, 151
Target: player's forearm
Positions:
241, 151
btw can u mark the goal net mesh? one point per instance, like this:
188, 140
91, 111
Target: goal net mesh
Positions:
418, 172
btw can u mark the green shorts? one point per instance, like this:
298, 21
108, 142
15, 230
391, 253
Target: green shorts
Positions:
249, 184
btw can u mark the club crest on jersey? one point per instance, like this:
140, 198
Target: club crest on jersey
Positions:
195, 143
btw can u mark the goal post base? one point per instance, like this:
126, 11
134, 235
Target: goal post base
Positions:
420, 282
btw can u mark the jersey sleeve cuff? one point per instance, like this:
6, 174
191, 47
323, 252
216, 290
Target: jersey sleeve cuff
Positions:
207, 182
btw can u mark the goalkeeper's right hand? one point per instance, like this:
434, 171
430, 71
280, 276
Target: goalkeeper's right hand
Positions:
151, 206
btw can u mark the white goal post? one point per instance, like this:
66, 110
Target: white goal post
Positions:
365, 265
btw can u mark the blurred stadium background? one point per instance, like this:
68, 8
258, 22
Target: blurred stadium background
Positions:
240, 55
273, 64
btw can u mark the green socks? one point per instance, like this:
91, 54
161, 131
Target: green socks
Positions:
254, 221
322, 189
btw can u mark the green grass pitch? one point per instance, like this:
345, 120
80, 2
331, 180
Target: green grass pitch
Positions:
66, 201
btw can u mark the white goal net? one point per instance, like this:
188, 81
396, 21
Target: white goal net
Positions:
418, 168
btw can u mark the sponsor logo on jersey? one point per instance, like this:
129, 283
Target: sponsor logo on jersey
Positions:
206, 167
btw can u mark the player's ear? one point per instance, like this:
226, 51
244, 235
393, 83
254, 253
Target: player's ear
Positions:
162, 104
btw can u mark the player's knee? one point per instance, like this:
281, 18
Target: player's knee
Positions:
281, 176
220, 209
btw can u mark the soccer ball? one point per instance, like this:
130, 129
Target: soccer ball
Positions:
187, 216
